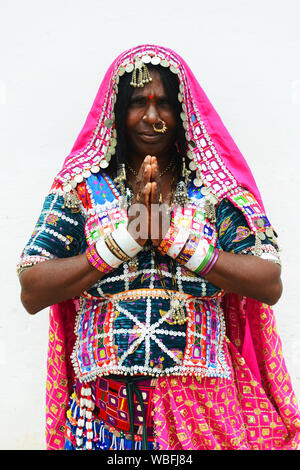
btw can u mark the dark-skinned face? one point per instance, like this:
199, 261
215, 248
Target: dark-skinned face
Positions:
147, 106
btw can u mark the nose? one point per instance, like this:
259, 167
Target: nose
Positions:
151, 114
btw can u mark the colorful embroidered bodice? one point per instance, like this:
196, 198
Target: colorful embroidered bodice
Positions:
122, 325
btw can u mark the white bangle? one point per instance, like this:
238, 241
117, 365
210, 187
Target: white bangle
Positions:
126, 242
107, 255
179, 242
199, 255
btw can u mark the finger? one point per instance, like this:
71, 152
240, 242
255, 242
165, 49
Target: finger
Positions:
145, 194
142, 179
155, 178
155, 193
154, 169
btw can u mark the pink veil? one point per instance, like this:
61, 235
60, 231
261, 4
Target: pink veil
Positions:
250, 325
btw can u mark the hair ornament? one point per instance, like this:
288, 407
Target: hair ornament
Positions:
140, 75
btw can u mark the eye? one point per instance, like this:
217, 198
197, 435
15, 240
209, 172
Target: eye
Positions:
163, 101
138, 101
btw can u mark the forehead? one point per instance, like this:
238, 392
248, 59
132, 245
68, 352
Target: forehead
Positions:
155, 87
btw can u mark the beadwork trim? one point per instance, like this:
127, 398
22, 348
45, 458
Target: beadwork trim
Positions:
201, 151
96, 433
189, 365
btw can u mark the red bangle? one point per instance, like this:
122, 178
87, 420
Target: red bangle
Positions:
96, 261
170, 236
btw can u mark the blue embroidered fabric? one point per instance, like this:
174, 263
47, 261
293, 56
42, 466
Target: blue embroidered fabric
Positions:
141, 340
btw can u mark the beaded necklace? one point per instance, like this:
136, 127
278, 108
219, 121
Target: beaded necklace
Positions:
172, 163
177, 314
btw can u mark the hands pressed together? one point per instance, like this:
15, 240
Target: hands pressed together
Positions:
149, 217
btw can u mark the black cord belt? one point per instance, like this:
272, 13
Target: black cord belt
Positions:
131, 390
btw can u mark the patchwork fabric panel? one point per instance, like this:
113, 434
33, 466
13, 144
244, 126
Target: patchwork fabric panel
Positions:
194, 219
254, 214
234, 232
99, 225
136, 336
111, 403
58, 232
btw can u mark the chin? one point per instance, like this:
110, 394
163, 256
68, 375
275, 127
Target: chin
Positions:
154, 149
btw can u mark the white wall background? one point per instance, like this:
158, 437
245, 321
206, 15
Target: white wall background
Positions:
53, 56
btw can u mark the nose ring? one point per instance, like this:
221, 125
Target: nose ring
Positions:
162, 129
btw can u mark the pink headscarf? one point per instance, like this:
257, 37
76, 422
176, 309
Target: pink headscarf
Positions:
94, 139
223, 169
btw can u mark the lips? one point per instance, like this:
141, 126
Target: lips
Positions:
147, 137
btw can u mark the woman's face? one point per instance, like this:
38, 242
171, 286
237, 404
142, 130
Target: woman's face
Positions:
147, 106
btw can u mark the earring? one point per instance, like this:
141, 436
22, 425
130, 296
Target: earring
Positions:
120, 183
181, 196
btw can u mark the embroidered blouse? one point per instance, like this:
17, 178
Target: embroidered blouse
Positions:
122, 325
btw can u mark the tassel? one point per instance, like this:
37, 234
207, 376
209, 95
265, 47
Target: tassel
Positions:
122, 440
71, 200
113, 443
120, 183
257, 246
143, 75
210, 207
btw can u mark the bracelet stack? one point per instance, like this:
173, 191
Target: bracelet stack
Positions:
115, 248
96, 261
196, 253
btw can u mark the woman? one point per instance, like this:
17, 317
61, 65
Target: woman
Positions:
155, 253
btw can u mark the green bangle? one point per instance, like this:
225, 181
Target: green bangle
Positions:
206, 259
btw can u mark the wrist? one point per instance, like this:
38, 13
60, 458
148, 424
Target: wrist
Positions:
195, 253
111, 251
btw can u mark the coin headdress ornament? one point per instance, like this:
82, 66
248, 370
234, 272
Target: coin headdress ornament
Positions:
140, 75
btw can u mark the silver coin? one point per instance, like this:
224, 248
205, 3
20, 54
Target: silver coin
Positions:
174, 69
193, 165
261, 235
164, 63
213, 199
103, 163
121, 71
73, 184
180, 97
197, 182
259, 223
129, 68
108, 122
204, 191
269, 232
190, 154
78, 178
155, 60
113, 142
146, 59
95, 169
86, 173
183, 116
67, 188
